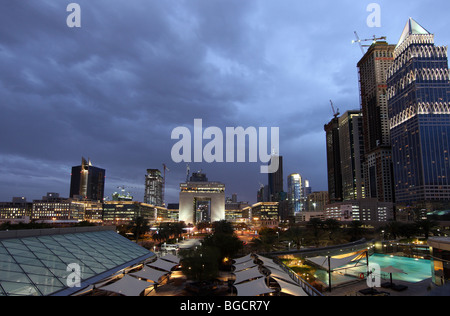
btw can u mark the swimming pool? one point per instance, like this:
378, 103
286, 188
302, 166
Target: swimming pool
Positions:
416, 269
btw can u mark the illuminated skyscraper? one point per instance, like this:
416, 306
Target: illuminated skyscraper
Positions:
294, 193
419, 117
87, 182
373, 68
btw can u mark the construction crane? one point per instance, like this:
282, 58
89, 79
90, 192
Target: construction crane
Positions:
335, 113
373, 40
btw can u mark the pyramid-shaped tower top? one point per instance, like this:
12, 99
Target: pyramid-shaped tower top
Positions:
412, 28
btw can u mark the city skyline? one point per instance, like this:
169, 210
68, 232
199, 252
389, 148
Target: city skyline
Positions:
69, 93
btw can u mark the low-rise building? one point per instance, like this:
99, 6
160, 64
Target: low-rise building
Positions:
370, 210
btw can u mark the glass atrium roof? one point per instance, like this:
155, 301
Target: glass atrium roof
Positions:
37, 266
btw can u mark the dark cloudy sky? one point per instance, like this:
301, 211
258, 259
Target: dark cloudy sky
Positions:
114, 89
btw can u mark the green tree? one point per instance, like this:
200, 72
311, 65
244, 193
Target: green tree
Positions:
355, 230
315, 225
393, 229
425, 227
266, 239
223, 227
296, 234
332, 227
202, 226
227, 245
139, 226
201, 264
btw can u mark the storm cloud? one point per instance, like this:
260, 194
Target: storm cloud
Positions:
114, 89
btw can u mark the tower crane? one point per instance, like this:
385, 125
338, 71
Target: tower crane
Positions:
335, 112
373, 40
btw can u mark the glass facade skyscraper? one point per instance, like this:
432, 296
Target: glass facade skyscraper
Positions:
419, 117
294, 193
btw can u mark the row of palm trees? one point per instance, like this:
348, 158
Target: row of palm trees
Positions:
316, 233
329, 232
163, 231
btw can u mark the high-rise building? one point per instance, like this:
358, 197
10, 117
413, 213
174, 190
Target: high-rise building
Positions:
87, 182
345, 153
154, 187
419, 117
276, 182
351, 146
201, 200
294, 194
333, 161
373, 69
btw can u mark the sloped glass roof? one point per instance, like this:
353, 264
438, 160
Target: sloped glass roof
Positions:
412, 28
38, 266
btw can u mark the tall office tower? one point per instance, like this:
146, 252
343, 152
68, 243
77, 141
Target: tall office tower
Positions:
333, 161
419, 117
306, 190
201, 200
87, 181
276, 182
373, 69
351, 146
294, 194
154, 187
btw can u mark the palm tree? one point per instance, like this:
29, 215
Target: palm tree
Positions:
296, 234
355, 230
139, 226
315, 225
332, 226
426, 226
393, 229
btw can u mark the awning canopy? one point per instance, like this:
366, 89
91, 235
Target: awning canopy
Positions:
244, 266
330, 264
149, 274
289, 288
242, 259
253, 288
127, 286
170, 257
247, 275
162, 264
280, 275
269, 263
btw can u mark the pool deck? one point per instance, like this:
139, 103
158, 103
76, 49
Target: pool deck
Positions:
414, 289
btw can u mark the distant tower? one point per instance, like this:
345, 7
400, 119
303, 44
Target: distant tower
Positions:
294, 193
153, 187
333, 160
276, 181
87, 181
